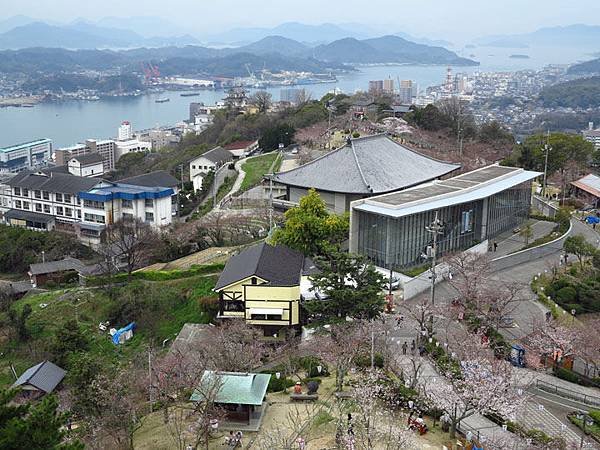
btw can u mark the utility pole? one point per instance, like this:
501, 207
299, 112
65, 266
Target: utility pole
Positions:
435, 228
546, 151
181, 170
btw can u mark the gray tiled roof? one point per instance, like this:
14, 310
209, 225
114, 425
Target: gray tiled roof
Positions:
20, 214
57, 266
369, 165
158, 178
89, 158
53, 182
217, 155
44, 376
279, 265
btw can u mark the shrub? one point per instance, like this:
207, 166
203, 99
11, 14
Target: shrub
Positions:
568, 294
278, 385
595, 414
365, 360
356, 134
579, 309
310, 364
210, 305
566, 374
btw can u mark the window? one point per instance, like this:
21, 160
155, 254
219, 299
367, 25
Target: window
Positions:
93, 218
59, 211
265, 317
46, 195
47, 209
37, 194
25, 205
127, 204
149, 217
127, 215
193, 167
79, 214
466, 221
17, 191
58, 197
17, 203
25, 192
69, 212
67, 198
253, 280
149, 203
93, 204
38, 207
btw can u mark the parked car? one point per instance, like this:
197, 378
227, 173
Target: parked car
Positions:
396, 283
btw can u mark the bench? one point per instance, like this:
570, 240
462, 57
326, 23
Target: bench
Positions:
304, 397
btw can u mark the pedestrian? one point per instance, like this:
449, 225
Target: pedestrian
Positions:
495, 246
548, 316
404, 347
566, 259
412, 346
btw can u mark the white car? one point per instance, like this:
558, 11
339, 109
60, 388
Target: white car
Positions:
396, 283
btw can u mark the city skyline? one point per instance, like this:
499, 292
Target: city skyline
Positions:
462, 19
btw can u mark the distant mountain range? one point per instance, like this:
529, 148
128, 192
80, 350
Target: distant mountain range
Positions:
82, 35
583, 36
587, 67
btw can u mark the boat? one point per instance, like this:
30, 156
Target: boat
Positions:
27, 105
162, 100
190, 94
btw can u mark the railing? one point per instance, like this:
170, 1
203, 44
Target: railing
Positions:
568, 393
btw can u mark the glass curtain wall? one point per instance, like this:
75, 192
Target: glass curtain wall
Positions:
508, 209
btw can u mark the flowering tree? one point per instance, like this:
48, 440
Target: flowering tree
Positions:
482, 385
373, 423
551, 340
588, 345
341, 345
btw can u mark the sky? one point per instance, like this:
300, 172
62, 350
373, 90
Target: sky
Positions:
432, 18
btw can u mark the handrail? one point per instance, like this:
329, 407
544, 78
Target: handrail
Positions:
568, 393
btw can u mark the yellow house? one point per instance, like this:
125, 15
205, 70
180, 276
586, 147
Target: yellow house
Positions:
262, 286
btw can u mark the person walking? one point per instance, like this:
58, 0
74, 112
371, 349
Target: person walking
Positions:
495, 246
404, 348
413, 346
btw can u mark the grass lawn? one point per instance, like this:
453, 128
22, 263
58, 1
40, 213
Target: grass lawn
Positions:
165, 306
256, 168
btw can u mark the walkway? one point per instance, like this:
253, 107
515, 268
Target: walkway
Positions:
510, 242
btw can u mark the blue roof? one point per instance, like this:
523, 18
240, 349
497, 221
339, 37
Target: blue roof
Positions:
24, 145
125, 192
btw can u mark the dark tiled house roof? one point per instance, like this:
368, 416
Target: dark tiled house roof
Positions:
279, 265
88, 159
368, 165
53, 182
57, 266
216, 155
44, 376
158, 178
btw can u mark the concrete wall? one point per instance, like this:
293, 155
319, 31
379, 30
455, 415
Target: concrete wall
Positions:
543, 206
530, 254
422, 283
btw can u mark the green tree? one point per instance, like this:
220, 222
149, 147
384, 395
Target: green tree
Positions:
526, 233
352, 287
564, 149
83, 370
282, 133
578, 246
311, 229
68, 339
38, 426
18, 319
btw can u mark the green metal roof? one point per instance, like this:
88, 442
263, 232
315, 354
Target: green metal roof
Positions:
24, 145
236, 388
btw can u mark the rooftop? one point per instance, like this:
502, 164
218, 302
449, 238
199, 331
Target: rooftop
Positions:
158, 178
279, 265
44, 376
590, 183
470, 186
236, 388
216, 155
368, 165
110, 191
57, 266
24, 145
52, 181
90, 158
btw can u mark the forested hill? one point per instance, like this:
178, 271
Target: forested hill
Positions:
592, 66
581, 93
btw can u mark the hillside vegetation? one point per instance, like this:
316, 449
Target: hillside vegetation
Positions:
582, 93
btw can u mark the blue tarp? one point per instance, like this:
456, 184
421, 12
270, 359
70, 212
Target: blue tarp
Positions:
118, 334
592, 219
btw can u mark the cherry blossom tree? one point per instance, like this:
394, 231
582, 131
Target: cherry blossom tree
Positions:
483, 384
341, 344
551, 340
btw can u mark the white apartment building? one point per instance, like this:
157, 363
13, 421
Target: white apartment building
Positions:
125, 131
81, 205
29, 155
130, 146
90, 165
207, 162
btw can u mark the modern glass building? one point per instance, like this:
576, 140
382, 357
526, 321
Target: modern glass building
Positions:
391, 229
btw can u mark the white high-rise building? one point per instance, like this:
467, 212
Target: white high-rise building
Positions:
125, 131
